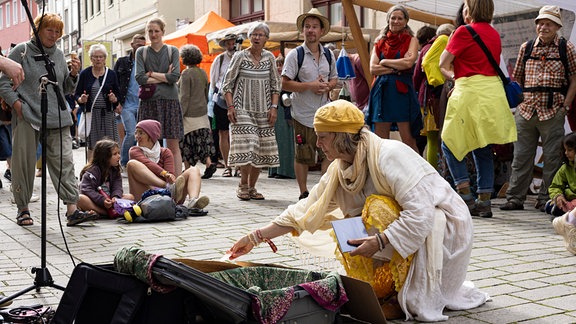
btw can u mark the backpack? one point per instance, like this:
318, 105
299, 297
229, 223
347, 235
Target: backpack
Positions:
300, 52
571, 114
563, 58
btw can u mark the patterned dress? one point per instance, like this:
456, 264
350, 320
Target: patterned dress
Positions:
252, 138
103, 120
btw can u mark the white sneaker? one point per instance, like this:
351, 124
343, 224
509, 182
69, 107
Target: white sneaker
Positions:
199, 203
567, 230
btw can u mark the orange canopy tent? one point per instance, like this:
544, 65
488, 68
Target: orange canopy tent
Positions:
195, 33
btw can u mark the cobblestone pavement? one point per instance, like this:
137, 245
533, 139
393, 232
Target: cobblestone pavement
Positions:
517, 257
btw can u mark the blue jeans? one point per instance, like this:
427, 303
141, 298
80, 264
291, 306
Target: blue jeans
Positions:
484, 161
129, 120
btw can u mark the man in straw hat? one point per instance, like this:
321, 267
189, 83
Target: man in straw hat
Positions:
217, 72
548, 94
310, 85
408, 209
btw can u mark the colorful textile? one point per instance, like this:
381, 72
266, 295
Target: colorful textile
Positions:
134, 261
273, 289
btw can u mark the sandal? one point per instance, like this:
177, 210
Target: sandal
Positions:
237, 173
227, 173
254, 194
24, 218
79, 216
243, 192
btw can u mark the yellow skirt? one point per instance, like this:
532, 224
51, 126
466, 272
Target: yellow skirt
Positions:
387, 278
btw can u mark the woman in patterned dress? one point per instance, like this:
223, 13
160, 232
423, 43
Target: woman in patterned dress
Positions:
96, 91
252, 88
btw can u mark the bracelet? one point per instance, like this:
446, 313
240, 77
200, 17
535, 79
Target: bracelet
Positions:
164, 173
267, 240
252, 239
230, 106
274, 106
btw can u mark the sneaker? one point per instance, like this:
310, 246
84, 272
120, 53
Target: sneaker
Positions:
540, 205
199, 203
8, 175
567, 230
512, 205
80, 217
482, 209
75, 144
178, 190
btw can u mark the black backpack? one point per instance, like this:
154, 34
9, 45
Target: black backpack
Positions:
563, 58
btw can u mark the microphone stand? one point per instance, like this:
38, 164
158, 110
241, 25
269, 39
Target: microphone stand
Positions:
43, 277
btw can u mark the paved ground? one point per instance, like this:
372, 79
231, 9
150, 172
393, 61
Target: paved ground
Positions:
517, 257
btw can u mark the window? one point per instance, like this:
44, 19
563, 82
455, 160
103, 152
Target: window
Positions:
110, 3
242, 11
8, 13
86, 15
97, 6
333, 10
15, 7
67, 23
22, 13
1, 17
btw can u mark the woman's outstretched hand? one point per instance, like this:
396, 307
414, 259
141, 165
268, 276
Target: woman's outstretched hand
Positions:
241, 247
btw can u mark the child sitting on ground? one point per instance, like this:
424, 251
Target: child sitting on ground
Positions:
103, 171
562, 190
152, 166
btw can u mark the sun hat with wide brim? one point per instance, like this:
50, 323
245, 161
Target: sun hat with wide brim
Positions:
313, 13
550, 12
227, 38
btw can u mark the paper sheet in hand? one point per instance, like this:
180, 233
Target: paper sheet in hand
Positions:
348, 229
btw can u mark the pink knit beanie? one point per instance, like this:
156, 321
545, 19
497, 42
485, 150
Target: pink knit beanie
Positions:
151, 127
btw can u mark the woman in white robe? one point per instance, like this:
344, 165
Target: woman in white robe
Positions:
434, 224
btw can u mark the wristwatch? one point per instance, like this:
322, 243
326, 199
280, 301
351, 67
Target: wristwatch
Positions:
275, 106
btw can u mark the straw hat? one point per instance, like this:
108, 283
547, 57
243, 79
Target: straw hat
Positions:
228, 37
550, 12
313, 13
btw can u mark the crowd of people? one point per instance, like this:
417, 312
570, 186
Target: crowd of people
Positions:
437, 83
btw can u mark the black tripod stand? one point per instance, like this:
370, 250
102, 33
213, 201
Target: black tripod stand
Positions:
43, 277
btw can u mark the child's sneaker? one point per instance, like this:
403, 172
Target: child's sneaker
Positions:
178, 190
199, 203
567, 230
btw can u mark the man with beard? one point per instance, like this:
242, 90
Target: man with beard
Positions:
310, 80
217, 72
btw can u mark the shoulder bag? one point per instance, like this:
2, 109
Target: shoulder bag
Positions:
513, 90
146, 91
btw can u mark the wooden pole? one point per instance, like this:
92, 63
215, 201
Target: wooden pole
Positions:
359, 41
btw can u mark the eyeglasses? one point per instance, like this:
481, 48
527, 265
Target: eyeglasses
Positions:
258, 35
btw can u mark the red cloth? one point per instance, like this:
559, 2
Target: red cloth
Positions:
393, 46
469, 59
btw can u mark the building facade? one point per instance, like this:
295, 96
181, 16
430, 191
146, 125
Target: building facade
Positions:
14, 24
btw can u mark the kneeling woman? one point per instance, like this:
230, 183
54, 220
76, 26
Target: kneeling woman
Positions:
152, 166
415, 212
